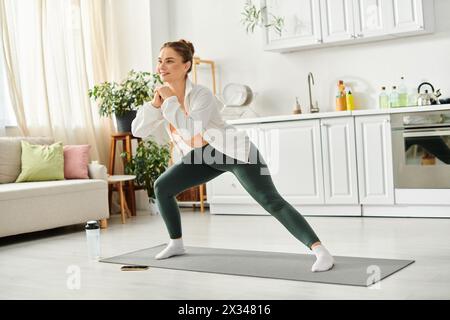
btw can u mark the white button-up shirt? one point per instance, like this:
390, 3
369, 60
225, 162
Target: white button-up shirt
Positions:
203, 117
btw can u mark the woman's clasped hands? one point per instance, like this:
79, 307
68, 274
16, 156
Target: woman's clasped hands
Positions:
161, 94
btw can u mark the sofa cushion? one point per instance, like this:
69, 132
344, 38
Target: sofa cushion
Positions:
76, 161
41, 162
11, 153
25, 190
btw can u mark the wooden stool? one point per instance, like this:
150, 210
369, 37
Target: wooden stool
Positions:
119, 180
126, 138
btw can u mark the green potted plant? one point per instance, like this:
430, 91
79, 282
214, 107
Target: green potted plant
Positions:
149, 162
253, 17
123, 99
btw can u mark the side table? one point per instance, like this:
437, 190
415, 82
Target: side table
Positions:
119, 180
126, 138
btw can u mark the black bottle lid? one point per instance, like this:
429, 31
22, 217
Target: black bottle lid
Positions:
92, 225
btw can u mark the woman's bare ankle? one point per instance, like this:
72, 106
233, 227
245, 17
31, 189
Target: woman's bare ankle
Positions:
315, 244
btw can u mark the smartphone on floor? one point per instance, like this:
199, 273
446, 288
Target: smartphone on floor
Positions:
133, 268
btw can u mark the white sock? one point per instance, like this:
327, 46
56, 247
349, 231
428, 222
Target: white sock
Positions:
324, 260
175, 247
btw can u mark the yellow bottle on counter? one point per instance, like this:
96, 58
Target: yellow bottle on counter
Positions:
350, 101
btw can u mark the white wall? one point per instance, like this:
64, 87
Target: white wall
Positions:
160, 30
137, 29
130, 36
215, 29
135, 33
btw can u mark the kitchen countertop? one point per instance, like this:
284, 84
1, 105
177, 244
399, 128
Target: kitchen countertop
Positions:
304, 116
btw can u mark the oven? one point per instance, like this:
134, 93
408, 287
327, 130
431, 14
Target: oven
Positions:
421, 149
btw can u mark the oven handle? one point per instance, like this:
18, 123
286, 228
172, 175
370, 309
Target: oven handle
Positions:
426, 133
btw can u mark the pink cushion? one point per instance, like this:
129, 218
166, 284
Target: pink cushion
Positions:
76, 160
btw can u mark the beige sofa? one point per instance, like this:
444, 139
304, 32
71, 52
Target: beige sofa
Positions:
34, 206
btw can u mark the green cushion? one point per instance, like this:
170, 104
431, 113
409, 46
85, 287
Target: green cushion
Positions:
42, 162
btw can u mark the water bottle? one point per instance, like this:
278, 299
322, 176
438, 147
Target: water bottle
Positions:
394, 98
402, 94
383, 99
93, 239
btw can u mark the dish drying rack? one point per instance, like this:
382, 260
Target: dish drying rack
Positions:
228, 112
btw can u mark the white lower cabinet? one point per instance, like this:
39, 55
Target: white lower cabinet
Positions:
339, 160
328, 166
297, 177
296, 153
374, 158
226, 188
293, 155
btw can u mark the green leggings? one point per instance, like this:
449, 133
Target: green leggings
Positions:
204, 164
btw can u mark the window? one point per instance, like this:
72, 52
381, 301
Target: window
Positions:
7, 117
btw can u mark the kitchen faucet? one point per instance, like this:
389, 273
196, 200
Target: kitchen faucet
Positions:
312, 108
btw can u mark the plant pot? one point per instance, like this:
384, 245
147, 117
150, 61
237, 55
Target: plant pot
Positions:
153, 207
124, 121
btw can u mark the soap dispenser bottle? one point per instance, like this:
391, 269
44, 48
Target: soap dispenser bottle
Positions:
350, 100
297, 109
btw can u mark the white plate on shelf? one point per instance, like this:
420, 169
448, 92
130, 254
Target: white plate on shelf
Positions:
235, 94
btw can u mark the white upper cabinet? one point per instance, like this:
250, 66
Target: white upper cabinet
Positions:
337, 20
318, 23
371, 18
407, 15
301, 23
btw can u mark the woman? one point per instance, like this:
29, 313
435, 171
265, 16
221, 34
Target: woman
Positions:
210, 147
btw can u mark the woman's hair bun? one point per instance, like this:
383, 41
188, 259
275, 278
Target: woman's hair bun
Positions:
189, 44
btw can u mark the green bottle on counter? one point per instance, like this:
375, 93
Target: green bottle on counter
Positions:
402, 94
393, 98
383, 99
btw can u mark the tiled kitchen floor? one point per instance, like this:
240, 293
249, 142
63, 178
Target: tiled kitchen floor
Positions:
41, 265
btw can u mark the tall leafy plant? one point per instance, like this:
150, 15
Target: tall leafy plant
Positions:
118, 98
149, 162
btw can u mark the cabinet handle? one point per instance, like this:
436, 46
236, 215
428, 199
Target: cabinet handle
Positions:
353, 36
360, 35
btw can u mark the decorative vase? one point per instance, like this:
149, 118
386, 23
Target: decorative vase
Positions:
124, 121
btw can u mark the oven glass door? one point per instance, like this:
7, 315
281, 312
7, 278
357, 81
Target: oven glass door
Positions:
422, 158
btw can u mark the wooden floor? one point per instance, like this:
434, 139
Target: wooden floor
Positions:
44, 265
